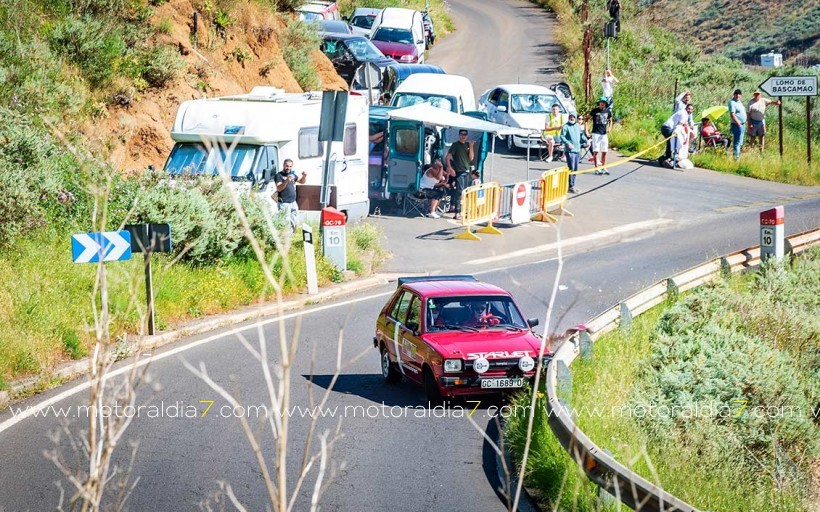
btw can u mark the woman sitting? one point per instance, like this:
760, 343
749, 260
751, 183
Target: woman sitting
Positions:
711, 136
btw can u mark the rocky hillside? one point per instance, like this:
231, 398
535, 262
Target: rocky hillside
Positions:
790, 27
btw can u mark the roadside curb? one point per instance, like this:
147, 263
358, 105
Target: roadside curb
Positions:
527, 503
74, 369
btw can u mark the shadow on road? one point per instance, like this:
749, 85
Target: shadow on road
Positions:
373, 388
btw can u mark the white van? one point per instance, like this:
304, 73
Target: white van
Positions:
450, 92
399, 33
254, 133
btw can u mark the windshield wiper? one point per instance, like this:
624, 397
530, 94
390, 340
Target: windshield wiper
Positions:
509, 326
459, 328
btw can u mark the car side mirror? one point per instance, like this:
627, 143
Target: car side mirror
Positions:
532, 322
501, 108
413, 326
420, 42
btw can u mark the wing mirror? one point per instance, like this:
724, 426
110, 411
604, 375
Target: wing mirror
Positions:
501, 108
532, 322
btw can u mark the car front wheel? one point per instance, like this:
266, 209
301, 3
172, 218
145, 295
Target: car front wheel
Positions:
510, 144
390, 373
431, 388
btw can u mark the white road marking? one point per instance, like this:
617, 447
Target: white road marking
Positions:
598, 235
29, 411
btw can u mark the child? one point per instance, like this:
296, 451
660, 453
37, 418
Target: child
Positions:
476, 179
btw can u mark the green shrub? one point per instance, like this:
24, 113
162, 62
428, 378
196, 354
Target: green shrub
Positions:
298, 42
160, 66
72, 344
90, 44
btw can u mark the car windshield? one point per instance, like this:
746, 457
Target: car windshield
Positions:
310, 16
468, 313
363, 49
195, 159
393, 35
363, 21
533, 103
404, 99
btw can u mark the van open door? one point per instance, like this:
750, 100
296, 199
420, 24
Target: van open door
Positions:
404, 161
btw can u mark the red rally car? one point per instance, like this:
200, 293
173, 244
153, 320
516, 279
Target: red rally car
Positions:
456, 336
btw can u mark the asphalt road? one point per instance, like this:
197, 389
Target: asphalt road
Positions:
390, 458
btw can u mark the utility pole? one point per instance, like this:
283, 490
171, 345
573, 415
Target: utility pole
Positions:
587, 51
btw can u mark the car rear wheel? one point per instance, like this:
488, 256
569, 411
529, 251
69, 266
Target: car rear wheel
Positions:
431, 388
390, 372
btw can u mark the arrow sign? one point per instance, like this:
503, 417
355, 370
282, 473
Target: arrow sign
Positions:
790, 86
105, 246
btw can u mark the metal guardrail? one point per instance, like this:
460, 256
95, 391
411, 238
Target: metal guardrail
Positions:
627, 486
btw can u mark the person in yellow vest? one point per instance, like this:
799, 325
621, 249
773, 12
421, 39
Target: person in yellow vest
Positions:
555, 121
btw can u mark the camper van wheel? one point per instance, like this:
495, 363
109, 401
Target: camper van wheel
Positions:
510, 145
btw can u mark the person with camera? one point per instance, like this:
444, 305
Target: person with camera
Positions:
286, 181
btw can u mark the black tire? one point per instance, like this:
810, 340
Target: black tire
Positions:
511, 148
390, 371
431, 388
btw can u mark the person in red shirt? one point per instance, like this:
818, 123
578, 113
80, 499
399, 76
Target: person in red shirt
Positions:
710, 134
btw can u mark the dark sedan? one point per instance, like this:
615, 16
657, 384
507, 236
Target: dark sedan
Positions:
348, 52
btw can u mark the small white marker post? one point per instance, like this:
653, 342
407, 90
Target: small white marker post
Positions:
310, 260
771, 234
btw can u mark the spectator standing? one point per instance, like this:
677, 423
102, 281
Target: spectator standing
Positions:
737, 114
555, 121
757, 118
607, 83
682, 100
572, 137
601, 126
286, 181
458, 161
434, 184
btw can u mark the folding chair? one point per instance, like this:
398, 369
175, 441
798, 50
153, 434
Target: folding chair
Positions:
415, 202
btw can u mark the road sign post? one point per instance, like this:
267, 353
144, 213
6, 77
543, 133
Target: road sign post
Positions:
771, 234
793, 86
148, 239
520, 210
331, 128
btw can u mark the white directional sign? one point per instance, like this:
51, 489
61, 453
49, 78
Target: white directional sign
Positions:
790, 86
105, 246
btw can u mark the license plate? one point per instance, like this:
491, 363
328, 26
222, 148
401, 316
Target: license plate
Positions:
502, 383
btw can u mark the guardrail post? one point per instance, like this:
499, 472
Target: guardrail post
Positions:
672, 291
564, 376
626, 317
725, 268
585, 341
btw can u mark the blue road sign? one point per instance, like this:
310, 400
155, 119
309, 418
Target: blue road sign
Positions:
105, 246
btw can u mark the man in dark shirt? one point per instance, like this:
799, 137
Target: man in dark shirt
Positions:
601, 125
458, 161
286, 181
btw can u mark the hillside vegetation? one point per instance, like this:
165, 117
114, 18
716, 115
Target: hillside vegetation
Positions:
648, 59
745, 29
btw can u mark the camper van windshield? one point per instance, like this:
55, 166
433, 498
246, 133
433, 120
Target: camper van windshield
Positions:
404, 99
533, 103
393, 35
196, 159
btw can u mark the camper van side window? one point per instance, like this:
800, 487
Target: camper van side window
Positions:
350, 140
407, 141
309, 145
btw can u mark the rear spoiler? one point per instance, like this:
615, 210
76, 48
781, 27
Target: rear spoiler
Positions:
403, 280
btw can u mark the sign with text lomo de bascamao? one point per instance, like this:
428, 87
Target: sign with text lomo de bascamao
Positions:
790, 86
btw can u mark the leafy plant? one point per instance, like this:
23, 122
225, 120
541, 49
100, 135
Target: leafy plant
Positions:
160, 66
298, 42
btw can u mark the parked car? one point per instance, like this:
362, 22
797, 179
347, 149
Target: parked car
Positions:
395, 74
361, 21
399, 33
317, 10
521, 106
348, 52
334, 27
456, 336
450, 92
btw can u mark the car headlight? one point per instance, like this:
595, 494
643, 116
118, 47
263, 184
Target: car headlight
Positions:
407, 58
452, 365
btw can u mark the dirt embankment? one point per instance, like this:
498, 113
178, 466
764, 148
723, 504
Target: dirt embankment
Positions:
136, 131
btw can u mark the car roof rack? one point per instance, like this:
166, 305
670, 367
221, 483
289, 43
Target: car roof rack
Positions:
403, 280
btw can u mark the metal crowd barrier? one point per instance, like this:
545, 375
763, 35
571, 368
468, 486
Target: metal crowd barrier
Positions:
617, 479
479, 204
505, 203
555, 189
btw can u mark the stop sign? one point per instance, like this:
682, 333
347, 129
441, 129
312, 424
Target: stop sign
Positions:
521, 194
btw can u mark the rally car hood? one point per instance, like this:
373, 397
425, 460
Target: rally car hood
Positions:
487, 343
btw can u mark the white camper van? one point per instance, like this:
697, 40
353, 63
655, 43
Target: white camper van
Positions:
254, 133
